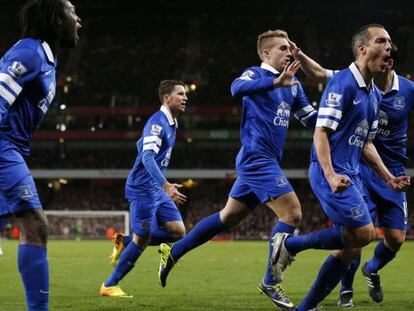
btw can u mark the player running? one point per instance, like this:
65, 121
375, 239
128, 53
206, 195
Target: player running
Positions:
154, 216
269, 93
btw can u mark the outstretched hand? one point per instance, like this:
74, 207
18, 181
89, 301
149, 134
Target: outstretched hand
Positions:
173, 193
286, 77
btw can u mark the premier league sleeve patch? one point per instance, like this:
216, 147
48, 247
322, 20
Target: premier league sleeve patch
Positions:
333, 100
17, 70
247, 75
156, 129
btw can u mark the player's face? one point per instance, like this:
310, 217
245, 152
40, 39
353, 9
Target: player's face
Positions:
71, 25
279, 54
177, 100
377, 50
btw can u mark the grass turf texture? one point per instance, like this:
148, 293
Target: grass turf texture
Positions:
216, 276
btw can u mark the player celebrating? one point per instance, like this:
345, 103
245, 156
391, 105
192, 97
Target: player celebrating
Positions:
347, 122
389, 207
269, 94
27, 89
150, 195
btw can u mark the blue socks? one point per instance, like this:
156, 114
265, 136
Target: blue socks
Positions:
328, 277
202, 232
125, 264
331, 238
348, 279
279, 227
34, 269
127, 239
382, 256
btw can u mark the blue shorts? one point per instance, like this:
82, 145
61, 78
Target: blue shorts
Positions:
150, 210
388, 208
259, 186
347, 208
17, 188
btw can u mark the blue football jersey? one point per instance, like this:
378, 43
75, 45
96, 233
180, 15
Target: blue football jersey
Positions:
266, 114
395, 107
27, 89
158, 136
350, 109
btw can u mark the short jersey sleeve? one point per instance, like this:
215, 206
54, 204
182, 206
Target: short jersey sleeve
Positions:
17, 67
333, 103
152, 135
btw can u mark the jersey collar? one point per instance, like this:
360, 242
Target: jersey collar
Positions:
395, 83
270, 68
48, 52
167, 113
357, 75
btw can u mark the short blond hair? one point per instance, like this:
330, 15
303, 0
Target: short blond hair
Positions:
263, 41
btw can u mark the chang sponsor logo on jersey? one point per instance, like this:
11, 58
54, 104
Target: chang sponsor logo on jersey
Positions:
45, 103
383, 123
333, 100
166, 160
282, 115
360, 134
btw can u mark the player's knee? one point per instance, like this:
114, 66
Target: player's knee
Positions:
179, 233
395, 241
364, 236
35, 229
347, 256
141, 240
294, 218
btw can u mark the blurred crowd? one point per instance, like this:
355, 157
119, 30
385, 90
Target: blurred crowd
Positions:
205, 197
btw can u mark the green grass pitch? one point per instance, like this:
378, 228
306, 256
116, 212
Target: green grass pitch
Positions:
216, 276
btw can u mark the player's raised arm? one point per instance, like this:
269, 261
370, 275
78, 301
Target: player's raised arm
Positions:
310, 67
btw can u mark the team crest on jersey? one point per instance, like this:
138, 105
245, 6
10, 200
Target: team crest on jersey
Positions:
17, 69
247, 75
282, 115
399, 103
294, 90
357, 212
156, 129
333, 100
281, 181
25, 193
